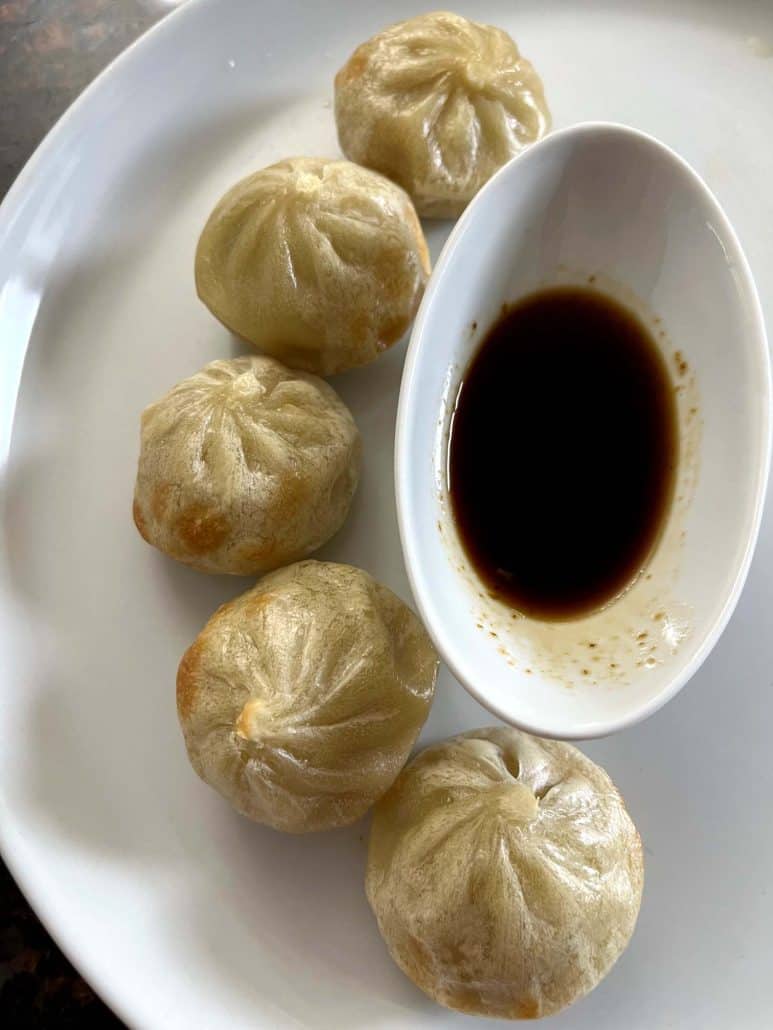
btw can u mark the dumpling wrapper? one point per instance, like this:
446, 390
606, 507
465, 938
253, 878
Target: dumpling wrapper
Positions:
301, 700
245, 466
438, 103
505, 873
320, 263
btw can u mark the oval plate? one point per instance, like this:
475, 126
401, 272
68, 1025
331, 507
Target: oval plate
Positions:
180, 913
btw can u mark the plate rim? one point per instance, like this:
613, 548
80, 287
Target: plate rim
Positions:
11, 208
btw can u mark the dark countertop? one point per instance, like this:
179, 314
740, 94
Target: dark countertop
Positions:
49, 51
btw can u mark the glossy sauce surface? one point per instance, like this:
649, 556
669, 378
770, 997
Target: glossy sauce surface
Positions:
562, 453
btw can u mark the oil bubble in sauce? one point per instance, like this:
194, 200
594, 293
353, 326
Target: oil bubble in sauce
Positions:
562, 453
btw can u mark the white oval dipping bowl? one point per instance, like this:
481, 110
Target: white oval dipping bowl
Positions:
606, 206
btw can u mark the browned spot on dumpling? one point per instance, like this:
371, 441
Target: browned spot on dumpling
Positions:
160, 500
528, 1009
139, 520
201, 530
463, 998
257, 603
419, 954
262, 557
187, 678
292, 496
353, 68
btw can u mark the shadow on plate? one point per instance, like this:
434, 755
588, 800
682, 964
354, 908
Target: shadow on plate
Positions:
285, 917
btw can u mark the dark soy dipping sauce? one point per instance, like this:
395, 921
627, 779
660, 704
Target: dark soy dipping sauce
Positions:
562, 453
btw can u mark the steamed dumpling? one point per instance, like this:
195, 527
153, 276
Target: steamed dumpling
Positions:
245, 466
300, 700
505, 873
438, 103
320, 263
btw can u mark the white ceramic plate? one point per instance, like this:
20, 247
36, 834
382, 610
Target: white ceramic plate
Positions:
180, 913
